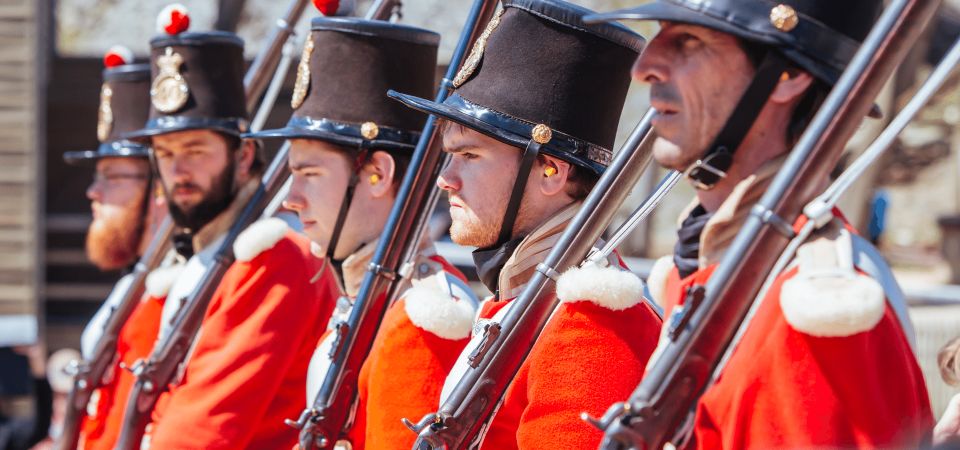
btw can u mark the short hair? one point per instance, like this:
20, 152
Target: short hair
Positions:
401, 160
234, 143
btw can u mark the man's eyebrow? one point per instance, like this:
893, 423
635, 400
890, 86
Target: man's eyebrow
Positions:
459, 149
303, 165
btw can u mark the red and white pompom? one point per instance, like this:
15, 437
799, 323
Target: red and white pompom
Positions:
335, 7
117, 55
173, 19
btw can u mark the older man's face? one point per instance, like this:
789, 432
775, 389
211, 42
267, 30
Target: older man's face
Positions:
696, 76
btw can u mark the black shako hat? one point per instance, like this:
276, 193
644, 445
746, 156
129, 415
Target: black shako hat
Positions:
540, 73
124, 103
345, 70
197, 84
819, 36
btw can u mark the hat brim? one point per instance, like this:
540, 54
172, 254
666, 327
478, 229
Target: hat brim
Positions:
333, 138
90, 157
663, 11
449, 113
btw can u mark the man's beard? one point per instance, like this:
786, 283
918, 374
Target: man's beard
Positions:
473, 232
113, 240
216, 201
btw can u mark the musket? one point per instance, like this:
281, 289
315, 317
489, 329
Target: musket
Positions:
698, 334
157, 371
465, 414
327, 418
89, 374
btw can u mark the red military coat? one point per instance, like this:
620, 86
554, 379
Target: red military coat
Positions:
100, 428
246, 371
590, 354
800, 378
416, 345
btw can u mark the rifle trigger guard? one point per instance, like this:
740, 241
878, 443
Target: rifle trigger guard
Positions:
548, 271
382, 271
768, 217
426, 421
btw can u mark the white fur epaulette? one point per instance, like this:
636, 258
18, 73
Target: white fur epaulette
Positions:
608, 287
828, 297
260, 236
159, 282
657, 280
437, 305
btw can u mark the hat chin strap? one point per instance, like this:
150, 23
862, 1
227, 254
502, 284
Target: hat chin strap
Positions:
706, 172
358, 163
516, 196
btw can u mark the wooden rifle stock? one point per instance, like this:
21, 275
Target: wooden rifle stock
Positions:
464, 415
90, 373
324, 422
702, 330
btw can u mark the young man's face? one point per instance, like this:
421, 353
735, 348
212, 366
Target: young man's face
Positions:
117, 197
696, 77
478, 180
320, 173
198, 172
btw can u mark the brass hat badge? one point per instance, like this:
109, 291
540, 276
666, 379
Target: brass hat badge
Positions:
169, 91
784, 18
302, 84
476, 53
105, 113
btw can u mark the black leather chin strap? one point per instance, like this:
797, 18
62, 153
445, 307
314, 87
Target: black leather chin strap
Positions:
513, 206
709, 170
358, 164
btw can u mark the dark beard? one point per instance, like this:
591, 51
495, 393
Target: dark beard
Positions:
113, 243
214, 202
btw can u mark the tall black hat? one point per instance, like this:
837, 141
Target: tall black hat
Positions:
124, 102
819, 36
345, 70
539, 73
197, 84
542, 79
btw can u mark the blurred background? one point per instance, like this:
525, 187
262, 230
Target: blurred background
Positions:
50, 65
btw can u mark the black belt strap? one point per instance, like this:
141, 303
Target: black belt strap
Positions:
361, 159
708, 171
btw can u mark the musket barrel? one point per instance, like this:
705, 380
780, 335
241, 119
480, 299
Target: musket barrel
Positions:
470, 405
337, 393
259, 73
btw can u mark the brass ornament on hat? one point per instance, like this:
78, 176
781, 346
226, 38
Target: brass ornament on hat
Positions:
369, 130
476, 53
303, 75
169, 91
541, 133
784, 18
105, 113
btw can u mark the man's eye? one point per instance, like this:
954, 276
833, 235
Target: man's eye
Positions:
688, 40
468, 155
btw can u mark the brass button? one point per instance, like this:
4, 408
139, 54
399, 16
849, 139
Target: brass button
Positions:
784, 18
369, 130
541, 134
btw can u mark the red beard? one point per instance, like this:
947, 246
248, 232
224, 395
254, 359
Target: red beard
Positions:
113, 239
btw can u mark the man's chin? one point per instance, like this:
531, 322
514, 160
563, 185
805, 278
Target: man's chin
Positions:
670, 155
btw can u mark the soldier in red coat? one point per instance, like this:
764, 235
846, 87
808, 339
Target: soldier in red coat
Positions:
125, 212
350, 146
827, 360
246, 369
529, 128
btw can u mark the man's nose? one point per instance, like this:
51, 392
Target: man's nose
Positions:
448, 180
650, 66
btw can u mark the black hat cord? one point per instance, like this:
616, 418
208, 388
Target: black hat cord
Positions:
516, 196
709, 170
358, 164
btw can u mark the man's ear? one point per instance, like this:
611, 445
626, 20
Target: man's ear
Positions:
246, 155
792, 85
552, 174
379, 173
